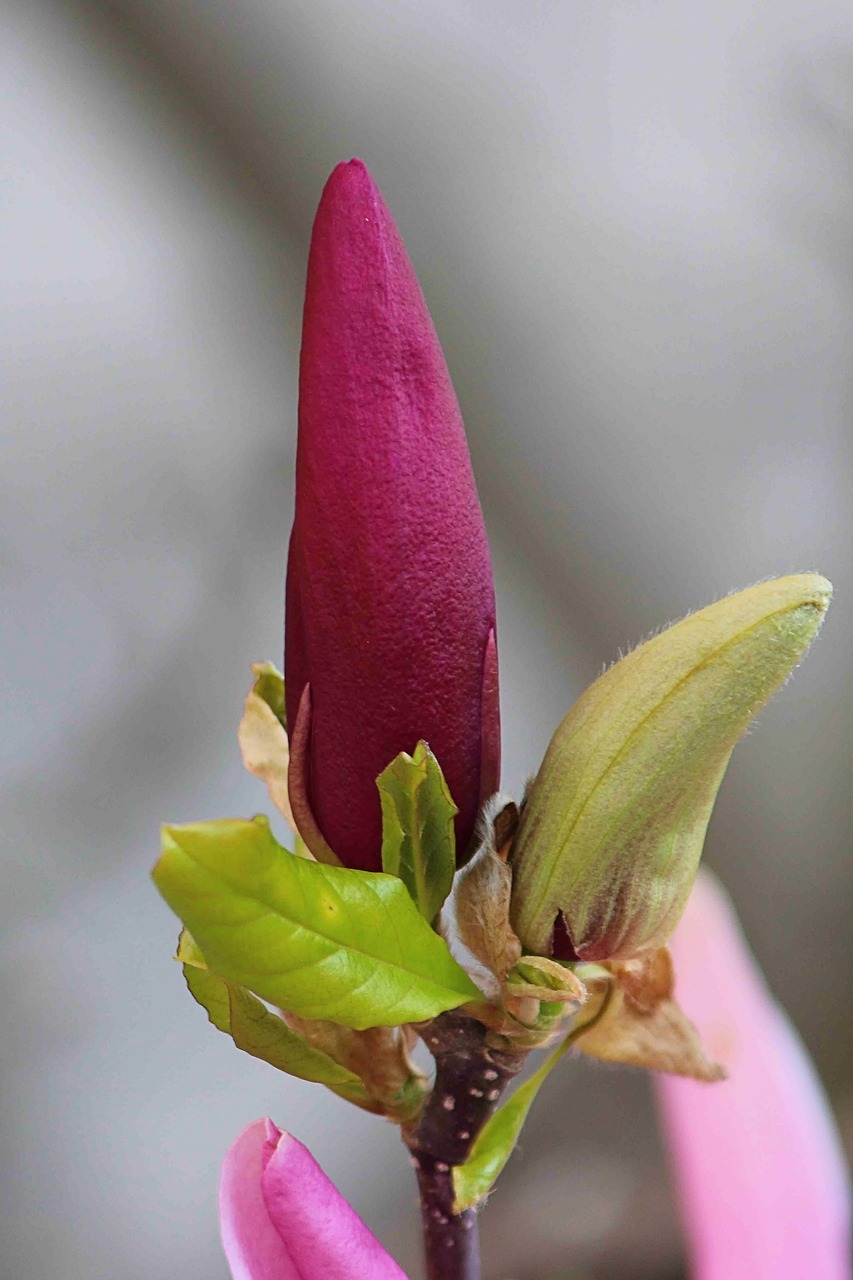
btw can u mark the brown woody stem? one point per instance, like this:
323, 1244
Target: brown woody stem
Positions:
472, 1069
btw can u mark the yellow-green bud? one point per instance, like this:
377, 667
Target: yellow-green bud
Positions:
614, 824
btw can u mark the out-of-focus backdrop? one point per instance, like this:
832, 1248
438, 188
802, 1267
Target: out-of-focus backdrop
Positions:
634, 226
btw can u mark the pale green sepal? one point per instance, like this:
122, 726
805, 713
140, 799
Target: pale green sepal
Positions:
263, 736
418, 839
613, 826
473, 1180
557, 991
269, 686
323, 942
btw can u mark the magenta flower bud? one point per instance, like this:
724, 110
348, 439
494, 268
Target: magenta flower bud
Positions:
390, 620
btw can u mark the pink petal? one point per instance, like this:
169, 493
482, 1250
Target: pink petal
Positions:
763, 1184
254, 1248
282, 1219
326, 1238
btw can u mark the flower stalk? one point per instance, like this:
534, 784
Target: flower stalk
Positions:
472, 1070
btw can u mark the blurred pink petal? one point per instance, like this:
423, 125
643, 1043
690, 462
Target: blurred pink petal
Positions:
763, 1183
282, 1219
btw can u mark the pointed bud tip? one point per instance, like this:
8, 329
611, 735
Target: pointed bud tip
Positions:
351, 179
272, 1131
803, 597
807, 589
279, 1144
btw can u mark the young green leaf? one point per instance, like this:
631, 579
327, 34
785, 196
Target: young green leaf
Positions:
261, 1033
418, 841
324, 942
473, 1180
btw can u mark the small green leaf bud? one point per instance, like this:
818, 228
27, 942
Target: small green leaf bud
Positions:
613, 827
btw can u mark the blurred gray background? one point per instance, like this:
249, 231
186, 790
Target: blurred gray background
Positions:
633, 220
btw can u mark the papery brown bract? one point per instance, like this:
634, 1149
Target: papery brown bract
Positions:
390, 600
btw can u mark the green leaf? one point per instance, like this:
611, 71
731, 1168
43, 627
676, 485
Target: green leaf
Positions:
418, 840
261, 1033
473, 1180
189, 952
323, 942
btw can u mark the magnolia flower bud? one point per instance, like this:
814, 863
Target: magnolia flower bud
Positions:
390, 601
613, 827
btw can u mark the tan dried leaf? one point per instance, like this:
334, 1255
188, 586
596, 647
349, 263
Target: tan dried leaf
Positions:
379, 1055
549, 995
482, 912
644, 1026
264, 747
504, 828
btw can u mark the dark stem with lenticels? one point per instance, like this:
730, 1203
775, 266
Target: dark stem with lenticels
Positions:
471, 1074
